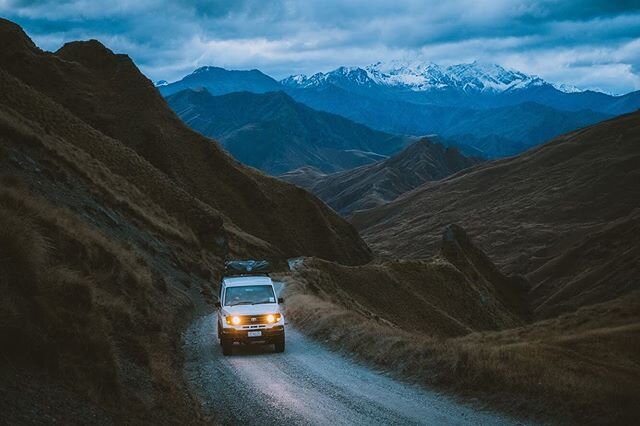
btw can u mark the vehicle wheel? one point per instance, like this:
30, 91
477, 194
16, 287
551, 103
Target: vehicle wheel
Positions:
219, 334
280, 346
227, 347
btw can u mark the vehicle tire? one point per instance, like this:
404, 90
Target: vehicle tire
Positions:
279, 346
227, 347
219, 334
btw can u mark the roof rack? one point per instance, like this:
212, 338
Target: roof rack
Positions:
247, 267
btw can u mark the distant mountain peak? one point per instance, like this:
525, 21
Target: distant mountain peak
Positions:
220, 81
353, 75
425, 76
568, 88
202, 70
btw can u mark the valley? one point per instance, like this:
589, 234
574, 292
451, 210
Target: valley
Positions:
455, 244
382, 181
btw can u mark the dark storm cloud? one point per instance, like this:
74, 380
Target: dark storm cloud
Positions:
586, 43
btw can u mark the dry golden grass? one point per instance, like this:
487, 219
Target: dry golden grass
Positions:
111, 186
436, 298
85, 309
48, 310
580, 367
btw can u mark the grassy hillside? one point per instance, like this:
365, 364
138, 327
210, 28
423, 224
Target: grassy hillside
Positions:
95, 293
562, 214
563, 217
114, 222
108, 94
454, 323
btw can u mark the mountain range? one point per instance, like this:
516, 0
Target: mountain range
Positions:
484, 110
475, 85
272, 132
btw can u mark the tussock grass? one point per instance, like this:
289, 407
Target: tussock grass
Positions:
580, 367
117, 191
83, 308
48, 313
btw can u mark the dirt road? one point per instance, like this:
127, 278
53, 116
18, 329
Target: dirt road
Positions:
307, 384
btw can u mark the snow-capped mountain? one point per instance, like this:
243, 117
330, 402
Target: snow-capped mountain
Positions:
422, 77
569, 88
353, 75
492, 109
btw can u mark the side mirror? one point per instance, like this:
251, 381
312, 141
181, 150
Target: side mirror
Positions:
217, 304
280, 300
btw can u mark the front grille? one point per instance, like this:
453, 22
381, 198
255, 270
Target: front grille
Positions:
253, 319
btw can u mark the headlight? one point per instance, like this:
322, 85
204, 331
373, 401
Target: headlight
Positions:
271, 318
235, 320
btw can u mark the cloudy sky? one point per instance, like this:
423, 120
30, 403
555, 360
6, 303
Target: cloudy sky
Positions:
589, 44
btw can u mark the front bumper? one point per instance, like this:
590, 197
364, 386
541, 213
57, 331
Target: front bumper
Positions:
268, 335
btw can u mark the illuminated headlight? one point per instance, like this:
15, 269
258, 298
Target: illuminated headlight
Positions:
271, 318
235, 320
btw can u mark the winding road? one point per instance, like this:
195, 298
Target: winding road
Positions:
308, 384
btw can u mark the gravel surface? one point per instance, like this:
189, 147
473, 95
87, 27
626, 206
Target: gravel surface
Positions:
307, 384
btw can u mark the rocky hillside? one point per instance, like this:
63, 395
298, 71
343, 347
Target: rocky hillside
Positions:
562, 213
276, 134
114, 221
378, 183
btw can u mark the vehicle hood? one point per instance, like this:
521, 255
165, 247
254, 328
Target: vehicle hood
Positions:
264, 308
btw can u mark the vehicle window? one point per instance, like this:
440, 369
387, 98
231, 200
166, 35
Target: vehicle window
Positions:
249, 295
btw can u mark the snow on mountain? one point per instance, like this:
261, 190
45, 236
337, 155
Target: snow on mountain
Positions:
354, 75
416, 75
490, 77
567, 88
420, 76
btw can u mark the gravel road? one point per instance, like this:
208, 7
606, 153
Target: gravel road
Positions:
307, 384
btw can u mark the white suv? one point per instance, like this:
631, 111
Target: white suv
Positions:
249, 312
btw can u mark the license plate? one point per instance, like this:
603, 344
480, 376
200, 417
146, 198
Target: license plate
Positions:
255, 333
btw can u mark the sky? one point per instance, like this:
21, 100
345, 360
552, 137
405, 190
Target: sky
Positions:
591, 44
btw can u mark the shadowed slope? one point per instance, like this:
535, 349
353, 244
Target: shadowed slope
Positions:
375, 184
111, 95
559, 201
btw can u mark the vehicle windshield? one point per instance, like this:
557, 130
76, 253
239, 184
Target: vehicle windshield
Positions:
249, 295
